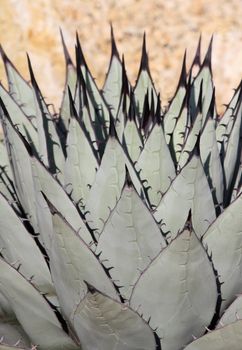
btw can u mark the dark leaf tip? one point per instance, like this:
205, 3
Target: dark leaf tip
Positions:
197, 146
125, 83
212, 105
73, 112
132, 113
3, 54
79, 53
200, 98
112, 129
197, 57
113, 43
158, 111
31, 72
208, 57
144, 64
183, 76
66, 53
128, 181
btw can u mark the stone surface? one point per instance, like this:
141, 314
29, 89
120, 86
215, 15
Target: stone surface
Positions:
171, 26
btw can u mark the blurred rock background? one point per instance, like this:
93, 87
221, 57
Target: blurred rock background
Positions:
171, 26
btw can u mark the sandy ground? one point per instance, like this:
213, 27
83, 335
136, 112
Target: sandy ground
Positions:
171, 26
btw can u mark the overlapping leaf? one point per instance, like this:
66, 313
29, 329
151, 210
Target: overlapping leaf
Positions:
70, 83
19, 89
175, 106
129, 232
189, 190
180, 306
81, 164
156, 165
32, 311
69, 215
108, 184
73, 265
21, 168
20, 249
144, 83
113, 82
103, 323
223, 240
50, 148
228, 337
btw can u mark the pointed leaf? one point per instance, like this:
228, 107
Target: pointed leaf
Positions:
204, 78
180, 133
132, 140
86, 112
124, 104
113, 82
91, 116
46, 183
144, 82
131, 235
190, 140
73, 264
21, 169
203, 210
71, 80
94, 93
196, 63
50, 148
108, 185
189, 190
19, 89
70, 83
19, 119
174, 109
103, 323
211, 160
173, 209
80, 164
183, 306
120, 120
156, 164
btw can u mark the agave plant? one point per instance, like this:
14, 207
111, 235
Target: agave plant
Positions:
120, 223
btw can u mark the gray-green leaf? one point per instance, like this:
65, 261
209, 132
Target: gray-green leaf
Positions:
183, 305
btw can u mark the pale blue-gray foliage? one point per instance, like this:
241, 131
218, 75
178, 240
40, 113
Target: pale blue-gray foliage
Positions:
120, 222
